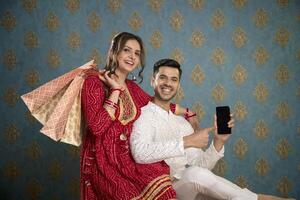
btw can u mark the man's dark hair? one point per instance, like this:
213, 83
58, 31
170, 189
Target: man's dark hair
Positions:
166, 62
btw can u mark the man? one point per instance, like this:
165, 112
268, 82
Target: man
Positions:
159, 135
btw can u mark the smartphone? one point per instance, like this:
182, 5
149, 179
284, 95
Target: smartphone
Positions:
223, 117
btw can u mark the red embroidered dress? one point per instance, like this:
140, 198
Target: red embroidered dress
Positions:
108, 170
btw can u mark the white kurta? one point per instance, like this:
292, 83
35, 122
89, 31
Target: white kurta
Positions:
158, 135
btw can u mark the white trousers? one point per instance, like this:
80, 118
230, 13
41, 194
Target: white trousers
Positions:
201, 184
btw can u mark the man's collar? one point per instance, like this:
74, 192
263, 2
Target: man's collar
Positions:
157, 109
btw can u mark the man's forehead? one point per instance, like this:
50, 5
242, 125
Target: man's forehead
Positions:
167, 70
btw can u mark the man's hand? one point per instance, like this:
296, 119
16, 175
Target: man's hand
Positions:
199, 139
220, 139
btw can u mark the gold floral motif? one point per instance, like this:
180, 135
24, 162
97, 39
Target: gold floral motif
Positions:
239, 74
261, 18
114, 5
218, 19
261, 129
51, 22
242, 182
238, 4
196, 4
34, 188
283, 111
53, 59
262, 167
11, 171
32, 78
218, 93
11, 134
240, 111
282, 36
177, 55
73, 5
156, 39
33, 151
55, 169
11, 97
176, 20
180, 95
197, 75
218, 56
239, 37
240, 148
298, 55
74, 40
260, 55
155, 5
261, 92
135, 21
282, 74
197, 38
74, 152
29, 5
220, 168
282, 3
96, 56
9, 59
298, 17
199, 110
298, 92
29, 117
30, 40
94, 21
74, 186
8, 21
283, 148
284, 186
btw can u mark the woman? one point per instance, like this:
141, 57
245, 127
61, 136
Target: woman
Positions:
110, 107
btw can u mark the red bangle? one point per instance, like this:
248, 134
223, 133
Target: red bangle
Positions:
186, 114
111, 104
189, 116
172, 107
116, 89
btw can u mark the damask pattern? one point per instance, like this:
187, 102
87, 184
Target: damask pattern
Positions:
241, 53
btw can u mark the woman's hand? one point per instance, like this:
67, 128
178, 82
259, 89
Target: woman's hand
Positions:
110, 80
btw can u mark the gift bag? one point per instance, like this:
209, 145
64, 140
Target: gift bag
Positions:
57, 105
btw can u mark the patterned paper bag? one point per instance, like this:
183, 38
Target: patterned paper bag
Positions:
57, 105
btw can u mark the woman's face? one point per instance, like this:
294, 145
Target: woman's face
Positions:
129, 57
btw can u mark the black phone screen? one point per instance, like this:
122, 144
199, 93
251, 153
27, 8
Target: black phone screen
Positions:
223, 117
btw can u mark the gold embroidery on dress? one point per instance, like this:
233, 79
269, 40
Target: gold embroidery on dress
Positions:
127, 108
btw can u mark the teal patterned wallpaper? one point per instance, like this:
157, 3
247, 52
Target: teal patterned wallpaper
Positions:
241, 53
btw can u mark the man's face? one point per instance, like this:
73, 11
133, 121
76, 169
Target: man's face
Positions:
165, 83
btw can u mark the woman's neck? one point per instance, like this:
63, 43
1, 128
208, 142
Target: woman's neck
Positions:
121, 77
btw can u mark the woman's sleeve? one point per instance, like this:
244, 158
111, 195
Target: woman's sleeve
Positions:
93, 96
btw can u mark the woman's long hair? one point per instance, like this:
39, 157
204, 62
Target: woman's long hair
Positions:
117, 44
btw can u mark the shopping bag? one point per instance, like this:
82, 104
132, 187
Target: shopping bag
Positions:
57, 105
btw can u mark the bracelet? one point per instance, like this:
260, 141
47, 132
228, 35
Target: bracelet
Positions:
186, 114
189, 116
116, 89
172, 107
111, 104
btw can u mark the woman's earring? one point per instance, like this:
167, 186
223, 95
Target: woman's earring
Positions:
133, 77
